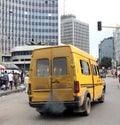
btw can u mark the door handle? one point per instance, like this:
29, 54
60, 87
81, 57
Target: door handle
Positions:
98, 80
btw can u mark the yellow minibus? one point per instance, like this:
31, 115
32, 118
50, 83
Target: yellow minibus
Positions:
64, 78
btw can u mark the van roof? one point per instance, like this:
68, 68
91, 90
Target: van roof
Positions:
77, 50
73, 49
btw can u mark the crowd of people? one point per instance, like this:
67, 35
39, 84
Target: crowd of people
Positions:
13, 79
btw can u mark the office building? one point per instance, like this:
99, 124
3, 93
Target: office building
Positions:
116, 35
21, 56
74, 32
106, 48
32, 22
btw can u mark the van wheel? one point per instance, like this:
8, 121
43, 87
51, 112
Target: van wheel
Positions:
42, 113
102, 98
87, 106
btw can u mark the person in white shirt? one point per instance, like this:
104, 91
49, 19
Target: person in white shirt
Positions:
10, 75
26, 81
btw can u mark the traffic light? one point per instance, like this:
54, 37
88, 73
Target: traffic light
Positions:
99, 25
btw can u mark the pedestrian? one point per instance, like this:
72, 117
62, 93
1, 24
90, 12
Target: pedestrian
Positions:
16, 79
116, 73
22, 77
26, 82
11, 80
6, 79
119, 80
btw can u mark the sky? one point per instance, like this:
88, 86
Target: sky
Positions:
92, 11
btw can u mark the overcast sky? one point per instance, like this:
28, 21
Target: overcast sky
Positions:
91, 11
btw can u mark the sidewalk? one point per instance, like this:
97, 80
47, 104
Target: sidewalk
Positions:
7, 92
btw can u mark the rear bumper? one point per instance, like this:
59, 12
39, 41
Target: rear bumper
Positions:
67, 104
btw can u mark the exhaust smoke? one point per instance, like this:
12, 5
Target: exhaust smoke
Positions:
54, 107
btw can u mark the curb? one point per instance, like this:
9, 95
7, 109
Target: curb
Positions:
4, 93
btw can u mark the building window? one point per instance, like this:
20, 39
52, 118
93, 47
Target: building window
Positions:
46, 2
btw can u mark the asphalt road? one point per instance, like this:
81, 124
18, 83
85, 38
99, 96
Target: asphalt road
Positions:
14, 110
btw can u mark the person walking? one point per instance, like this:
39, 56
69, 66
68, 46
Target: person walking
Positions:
11, 80
16, 79
116, 74
26, 82
22, 77
119, 80
6, 79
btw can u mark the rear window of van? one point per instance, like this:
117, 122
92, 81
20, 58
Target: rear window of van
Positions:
60, 66
42, 67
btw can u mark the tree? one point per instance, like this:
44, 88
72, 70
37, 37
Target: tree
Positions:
105, 62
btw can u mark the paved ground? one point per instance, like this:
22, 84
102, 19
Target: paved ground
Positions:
7, 92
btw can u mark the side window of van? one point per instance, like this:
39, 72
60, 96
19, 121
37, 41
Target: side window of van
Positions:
60, 66
94, 69
42, 67
84, 67
98, 71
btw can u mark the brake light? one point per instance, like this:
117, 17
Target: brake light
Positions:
76, 87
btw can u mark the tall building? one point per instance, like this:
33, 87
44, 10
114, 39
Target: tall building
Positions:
74, 32
116, 35
28, 22
106, 48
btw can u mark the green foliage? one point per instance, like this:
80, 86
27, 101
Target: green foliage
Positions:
105, 62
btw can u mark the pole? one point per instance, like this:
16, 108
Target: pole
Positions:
99, 26
24, 65
111, 27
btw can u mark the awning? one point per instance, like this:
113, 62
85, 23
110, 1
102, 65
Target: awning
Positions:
2, 67
11, 66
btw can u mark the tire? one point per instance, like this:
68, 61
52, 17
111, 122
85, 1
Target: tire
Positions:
102, 98
87, 106
42, 113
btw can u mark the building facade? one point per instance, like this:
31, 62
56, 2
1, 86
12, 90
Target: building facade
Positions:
116, 35
28, 22
106, 48
74, 32
21, 56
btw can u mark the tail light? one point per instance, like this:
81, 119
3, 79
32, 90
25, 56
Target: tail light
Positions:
76, 87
